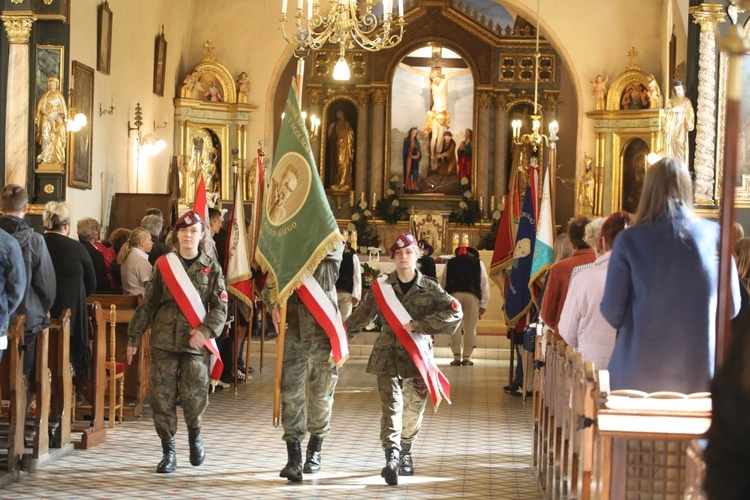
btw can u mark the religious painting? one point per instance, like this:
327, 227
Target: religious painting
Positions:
743, 146
432, 115
634, 164
205, 159
160, 61
338, 144
203, 86
634, 96
104, 39
79, 143
50, 60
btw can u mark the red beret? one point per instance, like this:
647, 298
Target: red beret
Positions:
189, 218
403, 240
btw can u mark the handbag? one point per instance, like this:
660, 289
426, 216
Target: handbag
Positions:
529, 334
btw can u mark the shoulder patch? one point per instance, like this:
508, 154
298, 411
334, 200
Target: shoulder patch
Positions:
456, 305
206, 270
224, 296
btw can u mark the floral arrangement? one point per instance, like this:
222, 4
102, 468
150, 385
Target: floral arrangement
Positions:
366, 237
369, 274
389, 208
467, 212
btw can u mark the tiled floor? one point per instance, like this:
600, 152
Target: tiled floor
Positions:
478, 447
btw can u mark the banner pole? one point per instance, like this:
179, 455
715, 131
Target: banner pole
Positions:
279, 367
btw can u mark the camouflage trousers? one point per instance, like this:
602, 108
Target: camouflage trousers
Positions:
172, 372
307, 384
403, 409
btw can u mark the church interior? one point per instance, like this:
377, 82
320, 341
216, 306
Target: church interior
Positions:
435, 131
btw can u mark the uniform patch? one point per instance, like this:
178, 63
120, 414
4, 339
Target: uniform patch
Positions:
456, 305
206, 270
224, 296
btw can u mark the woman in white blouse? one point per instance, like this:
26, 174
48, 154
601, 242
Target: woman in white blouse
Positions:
133, 258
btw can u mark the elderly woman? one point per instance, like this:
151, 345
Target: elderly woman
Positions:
661, 290
88, 234
135, 268
76, 280
581, 323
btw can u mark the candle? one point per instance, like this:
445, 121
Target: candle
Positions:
481, 205
283, 7
351, 200
353, 240
374, 200
492, 204
400, 8
455, 241
362, 197
346, 235
465, 240
309, 9
300, 4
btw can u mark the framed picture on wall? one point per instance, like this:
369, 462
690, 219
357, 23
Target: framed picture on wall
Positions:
160, 61
104, 39
79, 143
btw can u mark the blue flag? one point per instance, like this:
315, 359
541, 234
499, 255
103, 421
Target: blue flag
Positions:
518, 295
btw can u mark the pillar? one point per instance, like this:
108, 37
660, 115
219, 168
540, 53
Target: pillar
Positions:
482, 145
500, 182
18, 29
379, 98
708, 16
360, 168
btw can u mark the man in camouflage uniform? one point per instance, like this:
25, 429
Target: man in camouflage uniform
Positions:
433, 312
178, 356
309, 377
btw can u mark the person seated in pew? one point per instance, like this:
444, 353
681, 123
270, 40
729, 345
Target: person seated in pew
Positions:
135, 268
12, 283
153, 224
75, 278
42, 285
117, 239
186, 304
88, 233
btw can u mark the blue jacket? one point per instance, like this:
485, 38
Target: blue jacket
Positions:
661, 296
12, 282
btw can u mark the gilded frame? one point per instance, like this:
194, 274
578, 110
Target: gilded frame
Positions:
221, 131
104, 39
80, 143
742, 186
160, 62
333, 104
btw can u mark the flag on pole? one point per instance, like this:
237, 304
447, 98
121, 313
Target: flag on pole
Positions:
297, 229
545, 237
200, 206
502, 256
517, 294
239, 276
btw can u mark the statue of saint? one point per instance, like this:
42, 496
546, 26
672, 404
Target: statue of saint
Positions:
585, 192
341, 140
50, 123
438, 118
680, 121
654, 92
243, 87
600, 91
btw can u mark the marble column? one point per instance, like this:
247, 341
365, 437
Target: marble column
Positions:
379, 98
500, 182
363, 109
18, 29
482, 146
314, 94
708, 16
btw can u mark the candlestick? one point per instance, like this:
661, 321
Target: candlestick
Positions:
374, 201
481, 206
455, 241
362, 196
351, 200
345, 233
492, 204
465, 240
353, 240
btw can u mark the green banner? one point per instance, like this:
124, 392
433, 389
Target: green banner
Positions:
297, 229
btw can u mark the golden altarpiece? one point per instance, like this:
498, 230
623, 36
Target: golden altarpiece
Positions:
631, 127
212, 116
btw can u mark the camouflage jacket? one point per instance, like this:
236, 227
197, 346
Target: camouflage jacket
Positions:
301, 324
170, 330
432, 310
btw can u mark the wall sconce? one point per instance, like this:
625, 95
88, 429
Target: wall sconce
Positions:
104, 111
148, 143
75, 121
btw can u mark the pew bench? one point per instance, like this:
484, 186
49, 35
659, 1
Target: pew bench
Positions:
13, 410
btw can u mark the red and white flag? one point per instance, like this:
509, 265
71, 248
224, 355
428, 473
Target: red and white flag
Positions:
239, 276
200, 206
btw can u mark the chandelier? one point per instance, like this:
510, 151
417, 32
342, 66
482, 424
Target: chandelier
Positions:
345, 23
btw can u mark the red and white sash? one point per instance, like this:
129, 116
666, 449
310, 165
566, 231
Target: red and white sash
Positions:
189, 301
416, 344
327, 316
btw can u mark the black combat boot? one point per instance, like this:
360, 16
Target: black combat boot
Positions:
293, 469
169, 460
406, 466
197, 453
390, 471
312, 462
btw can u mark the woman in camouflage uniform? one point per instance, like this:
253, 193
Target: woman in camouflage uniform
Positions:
178, 358
403, 391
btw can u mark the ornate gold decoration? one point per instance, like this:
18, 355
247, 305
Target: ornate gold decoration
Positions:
379, 96
632, 54
49, 189
16, 1
211, 67
551, 99
314, 94
631, 74
333, 94
485, 99
363, 97
324, 61
18, 27
520, 68
708, 15
209, 46
47, 2
501, 99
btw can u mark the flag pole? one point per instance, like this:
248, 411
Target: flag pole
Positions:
279, 366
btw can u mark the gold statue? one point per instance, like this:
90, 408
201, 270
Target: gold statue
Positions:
680, 121
341, 137
600, 91
50, 123
654, 92
243, 87
585, 192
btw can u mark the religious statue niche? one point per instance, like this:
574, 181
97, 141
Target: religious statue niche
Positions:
432, 116
634, 161
340, 138
519, 155
205, 161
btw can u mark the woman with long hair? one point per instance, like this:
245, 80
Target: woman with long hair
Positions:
661, 289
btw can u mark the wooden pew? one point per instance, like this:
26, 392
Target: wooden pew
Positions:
563, 484
585, 405
94, 432
556, 430
13, 389
539, 404
136, 374
62, 380
547, 410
